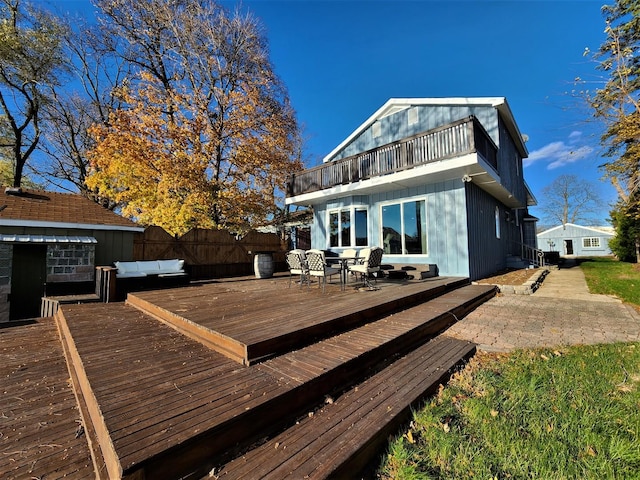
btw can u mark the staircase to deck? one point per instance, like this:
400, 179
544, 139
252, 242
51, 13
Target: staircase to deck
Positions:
160, 399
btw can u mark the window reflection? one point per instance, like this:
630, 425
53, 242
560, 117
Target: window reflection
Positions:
348, 228
404, 228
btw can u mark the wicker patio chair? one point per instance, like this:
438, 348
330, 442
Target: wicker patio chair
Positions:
297, 262
318, 267
372, 259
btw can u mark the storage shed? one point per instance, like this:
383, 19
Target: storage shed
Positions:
572, 240
50, 243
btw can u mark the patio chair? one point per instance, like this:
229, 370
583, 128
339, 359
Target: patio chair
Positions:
370, 265
297, 262
318, 267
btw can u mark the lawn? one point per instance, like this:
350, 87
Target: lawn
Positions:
566, 413
611, 277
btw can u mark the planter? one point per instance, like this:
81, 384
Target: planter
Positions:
263, 265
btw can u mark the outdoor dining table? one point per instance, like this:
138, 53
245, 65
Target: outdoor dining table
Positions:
344, 269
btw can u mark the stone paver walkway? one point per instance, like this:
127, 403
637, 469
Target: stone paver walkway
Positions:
561, 312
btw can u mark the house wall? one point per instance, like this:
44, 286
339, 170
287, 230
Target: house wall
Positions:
396, 126
487, 253
510, 165
555, 240
446, 224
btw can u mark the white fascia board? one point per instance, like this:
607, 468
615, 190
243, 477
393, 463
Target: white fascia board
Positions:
550, 230
79, 226
470, 164
397, 104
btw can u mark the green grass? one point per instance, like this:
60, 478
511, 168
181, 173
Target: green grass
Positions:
572, 413
611, 277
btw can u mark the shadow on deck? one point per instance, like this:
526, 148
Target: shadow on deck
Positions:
182, 382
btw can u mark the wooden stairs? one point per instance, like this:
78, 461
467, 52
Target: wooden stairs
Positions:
160, 400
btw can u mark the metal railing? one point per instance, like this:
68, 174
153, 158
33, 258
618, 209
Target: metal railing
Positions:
534, 256
453, 140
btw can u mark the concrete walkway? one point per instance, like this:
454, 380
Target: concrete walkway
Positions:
560, 312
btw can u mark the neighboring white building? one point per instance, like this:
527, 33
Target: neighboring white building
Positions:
576, 240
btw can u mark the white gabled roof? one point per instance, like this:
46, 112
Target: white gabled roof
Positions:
601, 230
394, 105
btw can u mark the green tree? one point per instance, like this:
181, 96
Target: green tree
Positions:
617, 103
626, 220
30, 60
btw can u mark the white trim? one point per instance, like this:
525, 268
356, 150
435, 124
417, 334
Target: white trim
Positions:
79, 226
401, 202
352, 234
25, 238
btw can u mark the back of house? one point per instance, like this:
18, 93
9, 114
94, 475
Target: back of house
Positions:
430, 180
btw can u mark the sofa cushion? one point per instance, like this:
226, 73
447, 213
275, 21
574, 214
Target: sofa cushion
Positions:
170, 266
150, 267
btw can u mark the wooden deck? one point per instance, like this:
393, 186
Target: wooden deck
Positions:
233, 318
40, 426
155, 395
160, 396
340, 438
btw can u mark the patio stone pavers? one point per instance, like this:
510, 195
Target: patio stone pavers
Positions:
561, 312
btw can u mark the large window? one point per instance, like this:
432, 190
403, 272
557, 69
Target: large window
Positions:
404, 228
348, 228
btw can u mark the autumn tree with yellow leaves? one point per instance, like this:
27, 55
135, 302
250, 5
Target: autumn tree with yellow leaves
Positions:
206, 136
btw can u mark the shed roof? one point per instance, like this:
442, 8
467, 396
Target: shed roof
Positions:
39, 208
608, 231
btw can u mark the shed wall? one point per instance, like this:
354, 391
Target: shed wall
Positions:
556, 240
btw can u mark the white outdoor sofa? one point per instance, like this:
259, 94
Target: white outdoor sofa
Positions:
147, 268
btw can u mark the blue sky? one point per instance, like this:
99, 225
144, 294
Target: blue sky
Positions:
342, 59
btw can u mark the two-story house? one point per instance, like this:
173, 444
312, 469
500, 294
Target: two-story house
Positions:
431, 181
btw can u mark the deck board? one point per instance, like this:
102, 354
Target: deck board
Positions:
317, 446
157, 394
231, 316
39, 436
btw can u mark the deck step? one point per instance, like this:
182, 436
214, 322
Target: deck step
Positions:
339, 440
165, 407
214, 323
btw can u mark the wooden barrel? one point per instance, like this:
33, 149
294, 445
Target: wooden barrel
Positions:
263, 265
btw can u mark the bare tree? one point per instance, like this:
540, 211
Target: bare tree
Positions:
70, 113
570, 199
30, 61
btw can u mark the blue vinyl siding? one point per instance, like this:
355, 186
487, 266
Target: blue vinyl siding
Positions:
446, 224
488, 254
396, 126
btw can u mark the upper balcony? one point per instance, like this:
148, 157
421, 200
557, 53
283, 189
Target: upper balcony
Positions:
458, 139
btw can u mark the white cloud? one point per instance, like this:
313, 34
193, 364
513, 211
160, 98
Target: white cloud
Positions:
559, 154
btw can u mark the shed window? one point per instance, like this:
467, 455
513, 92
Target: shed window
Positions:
591, 242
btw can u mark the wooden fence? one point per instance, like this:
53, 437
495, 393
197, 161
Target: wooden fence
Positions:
210, 253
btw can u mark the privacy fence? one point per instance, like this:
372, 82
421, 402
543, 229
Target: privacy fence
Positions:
210, 253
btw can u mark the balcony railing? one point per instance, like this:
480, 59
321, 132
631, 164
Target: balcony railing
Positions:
456, 139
